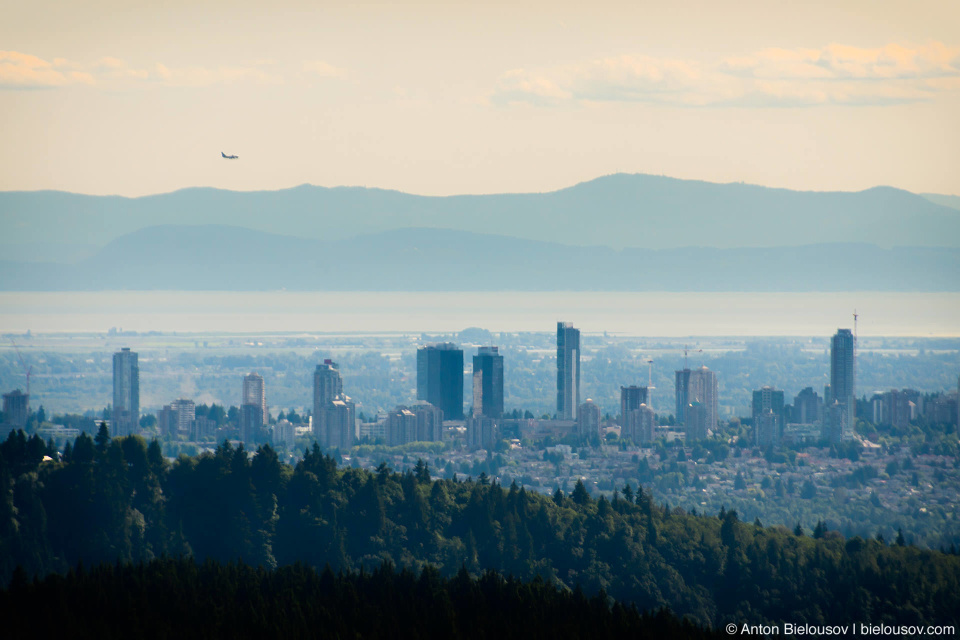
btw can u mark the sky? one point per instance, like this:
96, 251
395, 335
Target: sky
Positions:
439, 98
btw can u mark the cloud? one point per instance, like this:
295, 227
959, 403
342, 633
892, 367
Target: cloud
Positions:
195, 76
322, 69
834, 74
108, 68
838, 62
25, 71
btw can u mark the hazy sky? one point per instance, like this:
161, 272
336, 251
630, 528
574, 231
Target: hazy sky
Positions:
439, 98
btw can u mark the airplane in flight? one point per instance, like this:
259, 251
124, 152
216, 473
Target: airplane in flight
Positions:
228, 157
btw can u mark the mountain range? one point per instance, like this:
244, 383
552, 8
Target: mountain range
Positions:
619, 232
214, 257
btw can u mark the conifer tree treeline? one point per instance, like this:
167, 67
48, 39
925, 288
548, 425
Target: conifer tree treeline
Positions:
180, 598
119, 500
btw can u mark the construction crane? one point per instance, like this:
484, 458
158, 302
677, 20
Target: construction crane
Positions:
855, 316
685, 350
650, 386
27, 370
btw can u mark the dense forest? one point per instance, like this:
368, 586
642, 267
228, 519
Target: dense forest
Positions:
118, 500
169, 598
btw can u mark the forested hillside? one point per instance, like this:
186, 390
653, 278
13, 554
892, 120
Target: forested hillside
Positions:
179, 598
118, 500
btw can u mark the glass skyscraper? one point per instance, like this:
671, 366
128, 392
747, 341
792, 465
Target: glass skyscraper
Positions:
440, 378
488, 383
126, 393
568, 371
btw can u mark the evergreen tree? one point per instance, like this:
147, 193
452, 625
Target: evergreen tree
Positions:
819, 530
103, 438
558, 497
422, 471
580, 495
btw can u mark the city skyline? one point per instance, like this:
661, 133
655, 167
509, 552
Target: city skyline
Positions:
690, 384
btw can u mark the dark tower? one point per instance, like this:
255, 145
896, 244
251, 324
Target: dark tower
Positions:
842, 385
568, 371
488, 383
440, 378
126, 393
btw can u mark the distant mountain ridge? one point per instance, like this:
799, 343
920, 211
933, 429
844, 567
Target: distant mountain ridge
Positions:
618, 210
944, 200
216, 257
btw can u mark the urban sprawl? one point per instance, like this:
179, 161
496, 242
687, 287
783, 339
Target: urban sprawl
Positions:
690, 456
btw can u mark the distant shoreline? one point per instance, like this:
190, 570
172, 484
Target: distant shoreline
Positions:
663, 314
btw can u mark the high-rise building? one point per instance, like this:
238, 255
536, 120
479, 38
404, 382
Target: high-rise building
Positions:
253, 410
767, 430
834, 422
334, 421
640, 424
568, 371
186, 414
682, 386
16, 408
807, 407
429, 422
251, 424
481, 432
896, 407
440, 378
284, 434
177, 418
697, 386
203, 428
768, 410
255, 393
842, 386
941, 409
767, 398
488, 383
167, 421
327, 384
126, 393
422, 422
697, 421
588, 419
630, 399
401, 426
338, 424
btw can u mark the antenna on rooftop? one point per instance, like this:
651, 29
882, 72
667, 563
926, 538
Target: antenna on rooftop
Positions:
855, 316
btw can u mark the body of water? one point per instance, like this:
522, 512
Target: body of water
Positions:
633, 313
